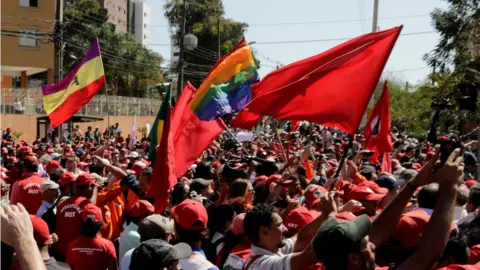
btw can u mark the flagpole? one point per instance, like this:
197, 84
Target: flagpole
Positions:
345, 154
235, 138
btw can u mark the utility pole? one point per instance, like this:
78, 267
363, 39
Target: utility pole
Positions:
181, 62
375, 16
218, 39
59, 44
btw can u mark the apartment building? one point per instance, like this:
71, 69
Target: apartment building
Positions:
139, 21
117, 11
26, 47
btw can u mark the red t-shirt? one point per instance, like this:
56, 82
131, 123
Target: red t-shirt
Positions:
29, 193
90, 253
69, 221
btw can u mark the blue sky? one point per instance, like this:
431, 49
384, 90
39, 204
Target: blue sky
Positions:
405, 61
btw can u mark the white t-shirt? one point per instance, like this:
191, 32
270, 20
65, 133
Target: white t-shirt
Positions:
269, 260
130, 239
127, 258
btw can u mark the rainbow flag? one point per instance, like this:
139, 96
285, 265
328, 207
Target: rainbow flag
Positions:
227, 86
62, 100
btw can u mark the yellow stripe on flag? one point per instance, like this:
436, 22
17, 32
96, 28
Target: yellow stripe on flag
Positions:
89, 72
159, 131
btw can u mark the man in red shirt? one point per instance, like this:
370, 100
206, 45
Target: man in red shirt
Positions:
27, 190
69, 221
90, 251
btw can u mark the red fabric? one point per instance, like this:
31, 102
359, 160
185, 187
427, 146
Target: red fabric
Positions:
29, 193
90, 253
163, 174
474, 255
69, 221
460, 267
190, 215
294, 125
297, 219
386, 163
75, 102
191, 135
377, 131
343, 78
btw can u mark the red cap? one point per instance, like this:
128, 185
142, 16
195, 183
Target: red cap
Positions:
92, 211
470, 183
410, 228
237, 225
85, 179
40, 231
12, 159
274, 178
374, 186
362, 193
261, 178
190, 215
429, 155
138, 168
4, 150
474, 254
297, 219
9, 129
141, 208
66, 179
417, 166
30, 161
53, 164
330, 172
25, 150
460, 267
349, 216
314, 195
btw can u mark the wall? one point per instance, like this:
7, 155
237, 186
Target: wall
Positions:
39, 19
142, 23
28, 124
117, 12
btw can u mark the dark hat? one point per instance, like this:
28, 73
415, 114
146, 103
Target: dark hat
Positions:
336, 239
158, 254
388, 181
202, 181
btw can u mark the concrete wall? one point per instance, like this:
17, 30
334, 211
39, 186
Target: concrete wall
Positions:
28, 124
117, 12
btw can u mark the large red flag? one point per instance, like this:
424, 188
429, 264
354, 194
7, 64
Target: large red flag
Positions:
191, 135
377, 131
332, 88
163, 174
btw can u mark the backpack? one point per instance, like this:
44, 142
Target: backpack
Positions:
50, 217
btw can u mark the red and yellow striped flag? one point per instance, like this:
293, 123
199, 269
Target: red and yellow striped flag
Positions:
64, 99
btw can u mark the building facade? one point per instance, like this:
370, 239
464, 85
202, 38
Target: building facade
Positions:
117, 13
139, 20
27, 41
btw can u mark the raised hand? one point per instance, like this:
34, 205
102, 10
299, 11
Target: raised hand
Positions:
451, 173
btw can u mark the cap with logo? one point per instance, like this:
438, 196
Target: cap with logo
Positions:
297, 219
314, 195
154, 224
85, 179
190, 215
92, 211
158, 254
67, 178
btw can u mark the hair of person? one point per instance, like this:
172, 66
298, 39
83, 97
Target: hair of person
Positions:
147, 172
472, 232
197, 187
261, 193
427, 196
229, 242
190, 236
90, 227
301, 171
474, 197
56, 175
462, 195
260, 216
96, 169
408, 174
457, 249
238, 188
218, 216
31, 167
203, 170
179, 193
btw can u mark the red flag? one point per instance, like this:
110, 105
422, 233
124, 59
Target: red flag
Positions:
332, 88
387, 163
294, 125
191, 135
163, 175
377, 131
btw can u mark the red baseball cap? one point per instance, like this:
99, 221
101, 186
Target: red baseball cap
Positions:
374, 186
274, 178
12, 159
410, 228
30, 161
314, 195
348, 216
138, 168
40, 231
66, 179
297, 219
92, 211
190, 215
362, 193
141, 208
237, 225
85, 179
261, 178
50, 150
460, 267
53, 164
25, 150
470, 183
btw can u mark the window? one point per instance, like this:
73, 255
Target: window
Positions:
145, 36
29, 39
144, 14
29, 3
144, 25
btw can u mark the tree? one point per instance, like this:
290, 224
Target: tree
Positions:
459, 44
202, 20
130, 68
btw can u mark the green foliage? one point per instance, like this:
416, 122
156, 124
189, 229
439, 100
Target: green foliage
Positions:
16, 134
459, 29
130, 68
202, 19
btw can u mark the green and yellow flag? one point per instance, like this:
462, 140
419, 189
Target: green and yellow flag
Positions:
156, 132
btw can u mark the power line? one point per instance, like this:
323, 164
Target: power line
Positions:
200, 56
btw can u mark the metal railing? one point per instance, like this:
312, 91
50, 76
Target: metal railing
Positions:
30, 101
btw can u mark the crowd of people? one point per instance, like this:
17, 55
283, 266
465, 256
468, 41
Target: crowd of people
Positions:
307, 199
